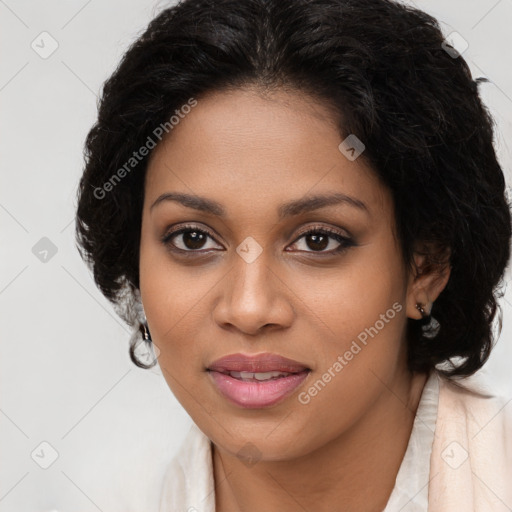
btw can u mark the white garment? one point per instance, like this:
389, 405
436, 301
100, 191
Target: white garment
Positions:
450, 421
411, 485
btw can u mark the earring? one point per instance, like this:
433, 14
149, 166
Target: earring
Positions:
421, 309
144, 329
431, 329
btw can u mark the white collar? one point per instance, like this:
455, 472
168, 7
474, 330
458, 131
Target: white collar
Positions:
410, 493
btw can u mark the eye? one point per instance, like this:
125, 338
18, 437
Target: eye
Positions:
192, 239
318, 239
187, 239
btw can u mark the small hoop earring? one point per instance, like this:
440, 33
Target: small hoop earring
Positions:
144, 329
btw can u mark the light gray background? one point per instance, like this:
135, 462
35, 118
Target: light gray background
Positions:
65, 373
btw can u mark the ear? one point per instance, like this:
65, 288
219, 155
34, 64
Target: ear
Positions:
427, 278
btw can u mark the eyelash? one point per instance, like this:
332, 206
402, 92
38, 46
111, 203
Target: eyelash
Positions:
345, 242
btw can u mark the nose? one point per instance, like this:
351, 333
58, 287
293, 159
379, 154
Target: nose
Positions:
254, 296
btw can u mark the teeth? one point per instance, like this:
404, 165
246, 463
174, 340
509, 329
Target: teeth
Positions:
250, 376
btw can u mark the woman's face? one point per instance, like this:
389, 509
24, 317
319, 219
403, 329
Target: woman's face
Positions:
244, 278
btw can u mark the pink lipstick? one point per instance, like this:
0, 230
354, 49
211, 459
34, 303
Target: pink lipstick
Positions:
256, 381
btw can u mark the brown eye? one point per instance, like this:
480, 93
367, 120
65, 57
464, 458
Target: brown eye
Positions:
317, 240
193, 239
187, 239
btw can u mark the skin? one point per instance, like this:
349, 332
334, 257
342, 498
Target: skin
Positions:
251, 153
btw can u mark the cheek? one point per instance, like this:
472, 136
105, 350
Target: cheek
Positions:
177, 300
174, 304
360, 317
347, 299
376, 281
367, 315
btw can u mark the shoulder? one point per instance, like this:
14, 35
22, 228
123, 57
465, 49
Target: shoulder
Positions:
474, 401
188, 483
471, 460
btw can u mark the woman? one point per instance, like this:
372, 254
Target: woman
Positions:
294, 203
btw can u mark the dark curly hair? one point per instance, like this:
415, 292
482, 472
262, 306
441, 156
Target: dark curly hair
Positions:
390, 78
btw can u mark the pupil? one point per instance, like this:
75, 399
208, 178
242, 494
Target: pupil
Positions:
322, 241
193, 239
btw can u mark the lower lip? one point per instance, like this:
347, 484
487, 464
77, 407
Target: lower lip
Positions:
254, 395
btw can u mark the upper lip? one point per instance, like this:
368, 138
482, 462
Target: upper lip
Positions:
266, 362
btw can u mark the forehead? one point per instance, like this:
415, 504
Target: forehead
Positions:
248, 149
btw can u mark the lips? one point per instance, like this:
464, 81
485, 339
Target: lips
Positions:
256, 381
260, 363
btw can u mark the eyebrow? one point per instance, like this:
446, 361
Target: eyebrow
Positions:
289, 209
